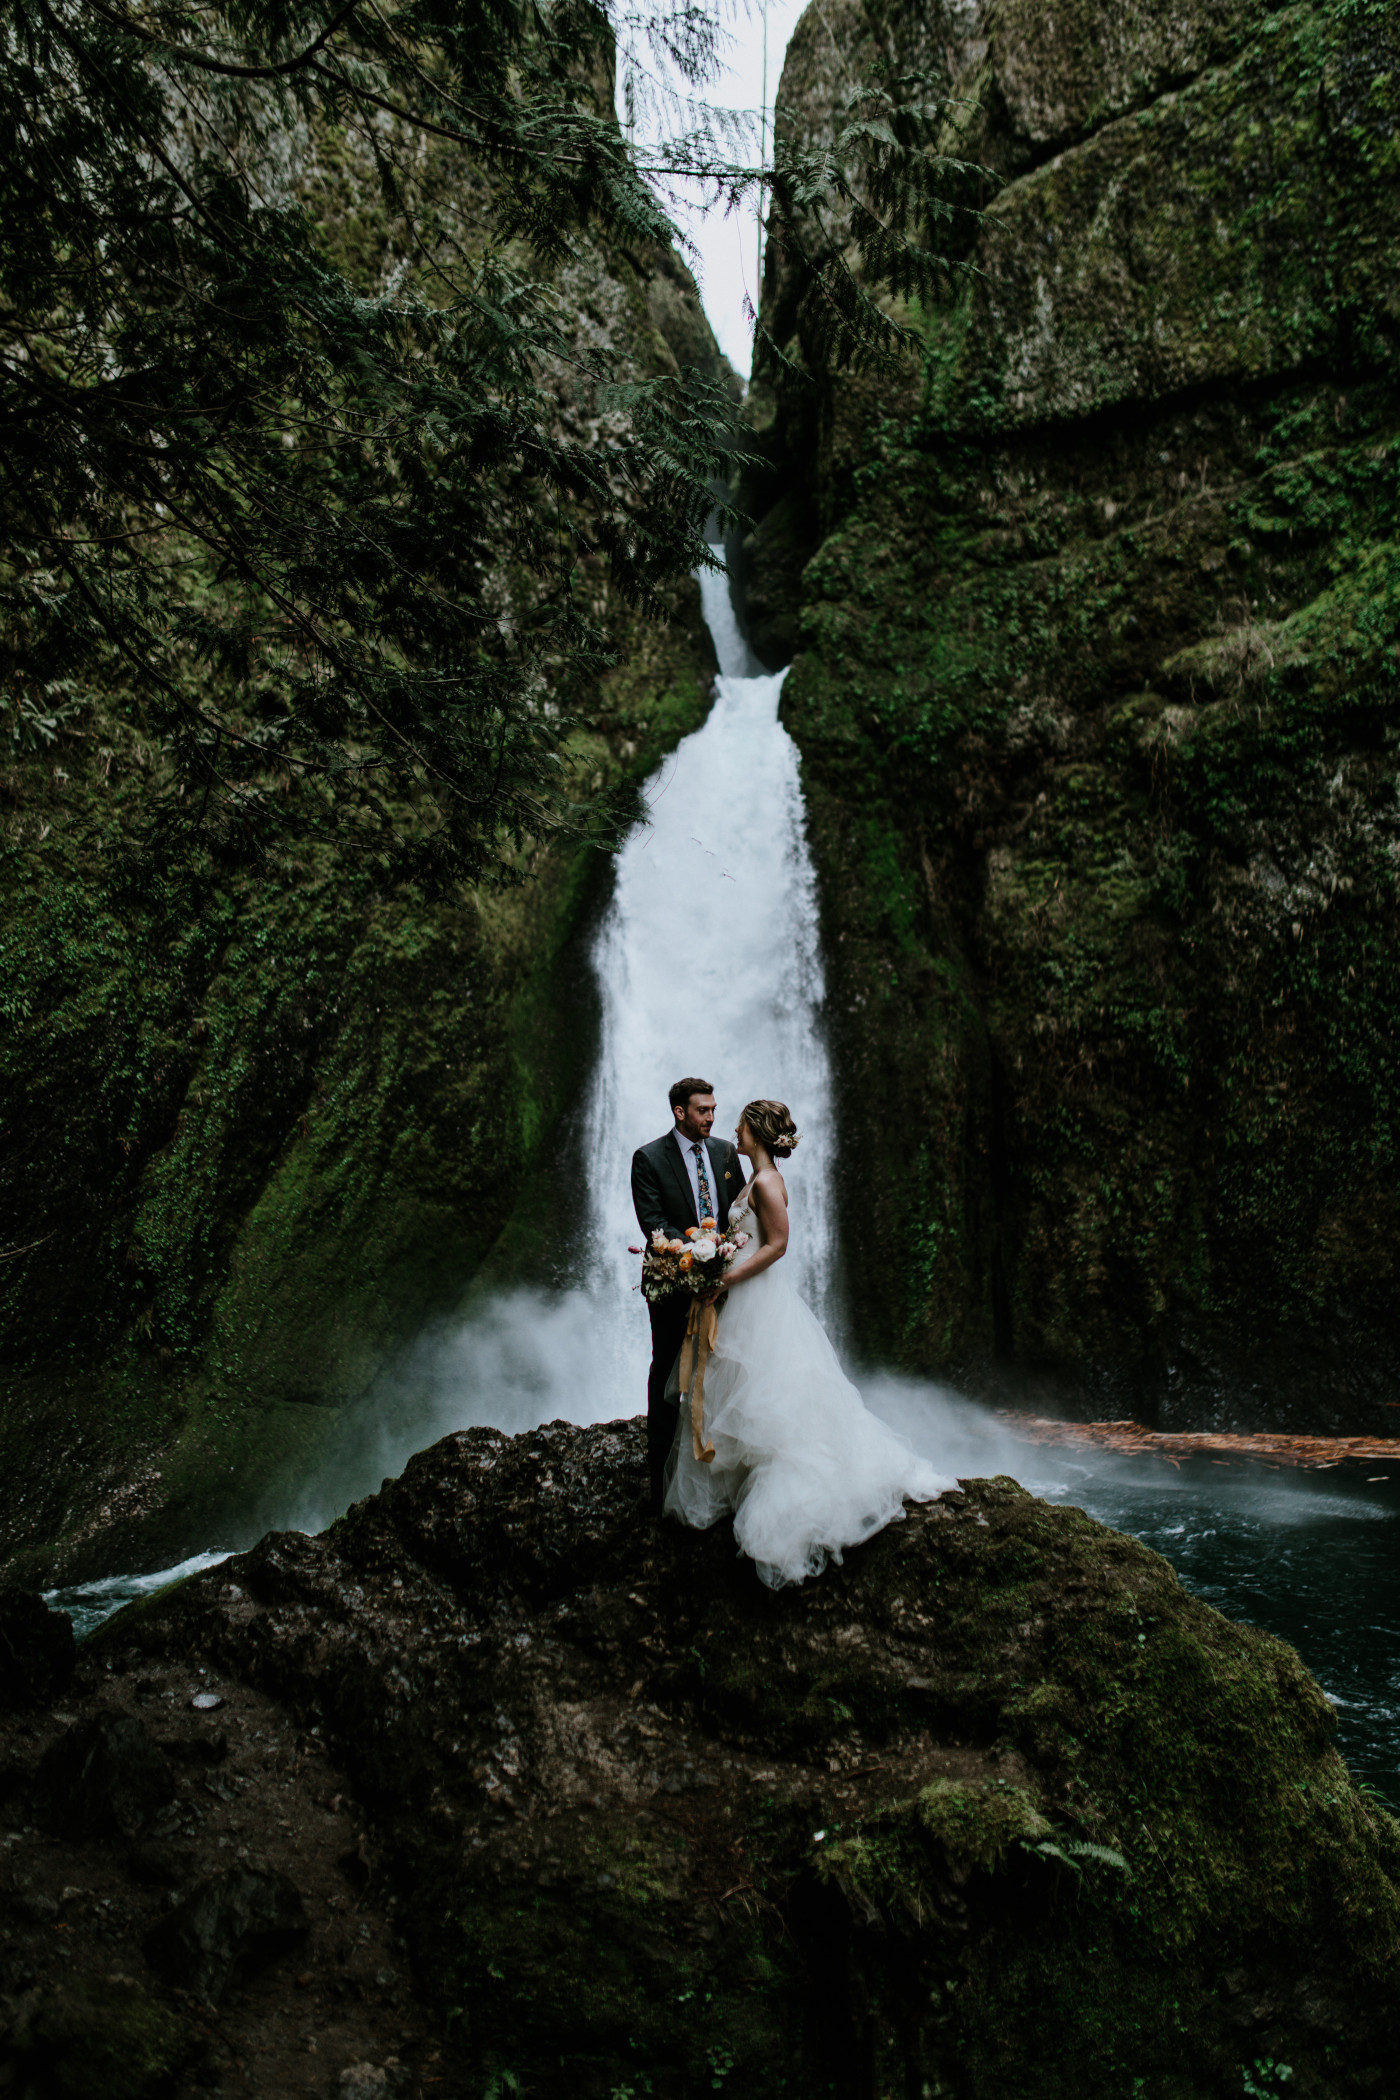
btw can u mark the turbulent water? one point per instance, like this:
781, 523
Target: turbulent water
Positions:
89, 1603
707, 962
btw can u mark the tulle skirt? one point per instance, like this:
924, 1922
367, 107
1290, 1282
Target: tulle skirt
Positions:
800, 1461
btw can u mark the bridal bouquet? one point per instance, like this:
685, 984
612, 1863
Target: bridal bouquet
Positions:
695, 1263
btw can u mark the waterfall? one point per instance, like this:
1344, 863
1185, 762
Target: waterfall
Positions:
708, 963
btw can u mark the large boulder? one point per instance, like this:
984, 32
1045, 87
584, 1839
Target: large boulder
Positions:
994, 1809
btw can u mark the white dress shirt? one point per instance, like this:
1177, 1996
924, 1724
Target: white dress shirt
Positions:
692, 1170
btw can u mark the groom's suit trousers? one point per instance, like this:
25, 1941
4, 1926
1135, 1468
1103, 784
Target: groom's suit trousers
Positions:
668, 1320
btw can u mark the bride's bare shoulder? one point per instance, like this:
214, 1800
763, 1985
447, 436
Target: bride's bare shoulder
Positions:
769, 1183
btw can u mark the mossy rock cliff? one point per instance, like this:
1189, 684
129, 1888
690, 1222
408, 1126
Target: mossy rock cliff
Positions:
994, 1810
259, 1125
1096, 689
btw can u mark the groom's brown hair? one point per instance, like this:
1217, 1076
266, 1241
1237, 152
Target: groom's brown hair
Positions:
684, 1088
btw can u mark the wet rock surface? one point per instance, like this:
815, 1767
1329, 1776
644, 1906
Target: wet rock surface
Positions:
234, 1923
103, 1778
92, 2008
1094, 690
608, 1816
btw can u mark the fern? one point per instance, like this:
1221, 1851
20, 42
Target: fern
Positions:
1072, 1850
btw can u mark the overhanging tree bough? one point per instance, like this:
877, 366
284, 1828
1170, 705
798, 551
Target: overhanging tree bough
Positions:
337, 529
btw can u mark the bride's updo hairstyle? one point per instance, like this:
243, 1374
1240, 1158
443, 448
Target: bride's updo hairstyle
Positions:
774, 1128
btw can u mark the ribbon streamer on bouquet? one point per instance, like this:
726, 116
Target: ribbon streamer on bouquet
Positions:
699, 1340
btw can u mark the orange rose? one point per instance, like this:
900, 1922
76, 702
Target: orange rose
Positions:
692, 1231
707, 1224
687, 1261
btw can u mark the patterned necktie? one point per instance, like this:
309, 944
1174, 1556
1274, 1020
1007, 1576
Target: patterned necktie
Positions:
707, 1201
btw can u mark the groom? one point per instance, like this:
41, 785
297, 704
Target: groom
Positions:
677, 1180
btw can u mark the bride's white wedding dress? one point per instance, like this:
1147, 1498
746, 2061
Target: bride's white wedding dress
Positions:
800, 1461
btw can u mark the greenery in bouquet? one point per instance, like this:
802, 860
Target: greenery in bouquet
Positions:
695, 1263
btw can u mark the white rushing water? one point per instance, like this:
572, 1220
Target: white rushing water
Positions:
89, 1603
708, 964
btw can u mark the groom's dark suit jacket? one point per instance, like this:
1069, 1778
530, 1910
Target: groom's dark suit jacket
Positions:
661, 1186
661, 1193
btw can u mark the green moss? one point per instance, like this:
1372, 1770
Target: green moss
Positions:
1157, 872
1233, 229
997, 1808
1175, 1806
974, 1827
600, 1983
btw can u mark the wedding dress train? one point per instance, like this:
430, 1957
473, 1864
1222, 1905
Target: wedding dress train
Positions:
800, 1461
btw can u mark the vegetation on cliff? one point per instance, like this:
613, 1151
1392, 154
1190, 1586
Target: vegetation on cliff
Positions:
1096, 694
995, 1809
326, 506
272, 1070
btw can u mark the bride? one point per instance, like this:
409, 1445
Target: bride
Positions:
800, 1462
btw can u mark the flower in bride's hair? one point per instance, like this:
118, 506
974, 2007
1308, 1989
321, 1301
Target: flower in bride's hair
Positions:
793, 1140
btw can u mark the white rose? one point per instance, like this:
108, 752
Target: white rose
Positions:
704, 1248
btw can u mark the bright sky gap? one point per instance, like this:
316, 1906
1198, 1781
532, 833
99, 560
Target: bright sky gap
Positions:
754, 39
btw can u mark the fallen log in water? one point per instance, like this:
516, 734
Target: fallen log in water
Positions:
1314, 1453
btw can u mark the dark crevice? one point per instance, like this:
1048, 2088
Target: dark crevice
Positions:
1335, 371
1003, 1246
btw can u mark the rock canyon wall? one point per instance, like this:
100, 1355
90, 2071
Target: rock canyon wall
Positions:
1094, 621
